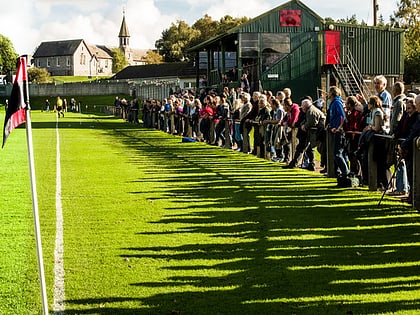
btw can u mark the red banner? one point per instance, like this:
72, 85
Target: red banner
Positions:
290, 17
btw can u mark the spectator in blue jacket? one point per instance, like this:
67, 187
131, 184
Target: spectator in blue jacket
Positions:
337, 118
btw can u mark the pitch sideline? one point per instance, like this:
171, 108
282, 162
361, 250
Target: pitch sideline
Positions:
59, 296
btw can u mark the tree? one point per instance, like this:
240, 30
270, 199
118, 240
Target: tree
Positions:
206, 28
8, 56
119, 61
227, 22
38, 75
153, 57
348, 20
175, 41
407, 17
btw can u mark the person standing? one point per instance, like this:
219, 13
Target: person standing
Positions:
59, 106
47, 105
245, 83
406, 150
245, 125
313, 122
402, 132
290, 122
337, 119
237, 136
398, 106
263, 129
353, 129
380, 84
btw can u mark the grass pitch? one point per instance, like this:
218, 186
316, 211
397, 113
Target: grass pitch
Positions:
156, 226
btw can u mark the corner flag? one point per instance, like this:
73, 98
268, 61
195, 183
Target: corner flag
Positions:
15, 111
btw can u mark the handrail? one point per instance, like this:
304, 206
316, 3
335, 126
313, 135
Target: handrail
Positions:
355, 72
363, 87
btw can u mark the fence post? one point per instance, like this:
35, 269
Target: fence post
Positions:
330, 154
246, 140
188, 123
212, 136
372, 168
228, 143
416, 173
294, 143
172, 118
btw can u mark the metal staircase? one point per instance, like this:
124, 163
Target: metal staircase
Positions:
351, 78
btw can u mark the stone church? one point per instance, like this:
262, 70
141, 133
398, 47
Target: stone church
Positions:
76, 57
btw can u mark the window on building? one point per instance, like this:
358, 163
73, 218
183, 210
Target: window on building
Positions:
274, 47
48, 62
106, 63
82, 59
58, 61
249, 45
68, 61
38, 63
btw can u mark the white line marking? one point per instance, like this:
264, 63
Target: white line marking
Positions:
59, 296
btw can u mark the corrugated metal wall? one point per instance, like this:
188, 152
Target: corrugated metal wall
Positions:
375, 50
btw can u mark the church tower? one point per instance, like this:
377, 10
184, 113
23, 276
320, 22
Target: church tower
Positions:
124, 37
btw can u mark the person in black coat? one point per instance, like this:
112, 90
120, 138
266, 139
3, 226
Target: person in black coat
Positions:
406, 149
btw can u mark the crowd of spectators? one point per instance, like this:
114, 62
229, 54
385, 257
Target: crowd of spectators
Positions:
228, 119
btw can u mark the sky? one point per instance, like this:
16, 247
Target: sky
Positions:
27, 23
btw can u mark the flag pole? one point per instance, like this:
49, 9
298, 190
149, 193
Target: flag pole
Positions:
35, 205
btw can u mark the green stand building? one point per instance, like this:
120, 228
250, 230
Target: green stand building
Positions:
291, 46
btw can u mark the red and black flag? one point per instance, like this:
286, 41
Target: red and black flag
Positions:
18, 103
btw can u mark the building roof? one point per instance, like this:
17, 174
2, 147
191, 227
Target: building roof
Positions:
58, 48
138, 54
174, 69
100, 51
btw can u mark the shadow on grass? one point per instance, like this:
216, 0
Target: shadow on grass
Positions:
289, 241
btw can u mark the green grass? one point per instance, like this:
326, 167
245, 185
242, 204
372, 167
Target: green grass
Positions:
67, 79
156, 226
38, 102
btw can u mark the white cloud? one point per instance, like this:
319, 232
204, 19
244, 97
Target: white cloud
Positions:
29, 22
251, 9
145, 23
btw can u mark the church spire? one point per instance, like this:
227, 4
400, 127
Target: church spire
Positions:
124, 35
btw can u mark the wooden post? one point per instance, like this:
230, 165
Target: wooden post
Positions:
228, 143
245, 140
294, 143
172, 118
259, 129
189, 130
153, 114
212, 137
330, 154
372, 168
416, 173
